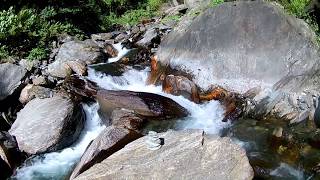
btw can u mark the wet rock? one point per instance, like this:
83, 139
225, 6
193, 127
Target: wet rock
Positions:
127, 119
144, 104
183, 155
46, 125
9, 151
74, 56
110, 50
108, 142
179, 85
6, 171
32, 91
80, 87
112, 69
11, 76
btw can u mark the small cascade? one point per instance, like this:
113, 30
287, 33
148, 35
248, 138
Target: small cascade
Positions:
57, 165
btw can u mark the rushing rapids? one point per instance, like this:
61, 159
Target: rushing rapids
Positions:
207, 116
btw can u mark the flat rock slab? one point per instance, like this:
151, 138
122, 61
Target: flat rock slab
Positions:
10, 78
46, 125
184, 155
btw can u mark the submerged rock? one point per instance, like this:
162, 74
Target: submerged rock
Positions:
108, 142
142, 103
183, 155
46, 125
74, 56
11, 76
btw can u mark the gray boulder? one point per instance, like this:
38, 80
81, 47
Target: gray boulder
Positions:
11, 76
46, 125
33, 91
74, 56
108, 142
184, 155
246, 44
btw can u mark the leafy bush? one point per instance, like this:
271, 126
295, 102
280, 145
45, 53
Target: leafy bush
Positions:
296, 7
28, 26
216, 2
37, 53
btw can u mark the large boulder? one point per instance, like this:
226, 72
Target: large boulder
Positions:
108, 142
46, 125
74, 56
11, 76
248, 44
142, 103
184, 155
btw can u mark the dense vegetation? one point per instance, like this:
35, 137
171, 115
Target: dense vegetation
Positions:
28, 26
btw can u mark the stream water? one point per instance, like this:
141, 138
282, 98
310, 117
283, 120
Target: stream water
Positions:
207, 116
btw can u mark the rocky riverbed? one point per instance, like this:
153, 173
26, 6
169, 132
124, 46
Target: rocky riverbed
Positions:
227, 97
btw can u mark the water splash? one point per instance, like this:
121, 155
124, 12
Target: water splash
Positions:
207, 116
288, 172
121, 52
57, 165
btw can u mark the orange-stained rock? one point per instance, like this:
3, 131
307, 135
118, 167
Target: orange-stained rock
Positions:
217, 93
230, 101
157, 70
179, 85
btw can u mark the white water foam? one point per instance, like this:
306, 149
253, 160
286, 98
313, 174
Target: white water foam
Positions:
121, 52
285, 170
56, 165
207, 116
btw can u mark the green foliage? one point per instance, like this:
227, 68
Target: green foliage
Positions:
214, 3
27, 28
4, 52
171, 18
296, 7
37, 53
154, 4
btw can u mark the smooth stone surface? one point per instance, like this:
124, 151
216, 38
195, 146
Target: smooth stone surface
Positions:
10, 78
46, 125
184, 155
242, 44
108, 142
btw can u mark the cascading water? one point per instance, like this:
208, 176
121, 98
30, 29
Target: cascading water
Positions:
56, 165
207, 116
